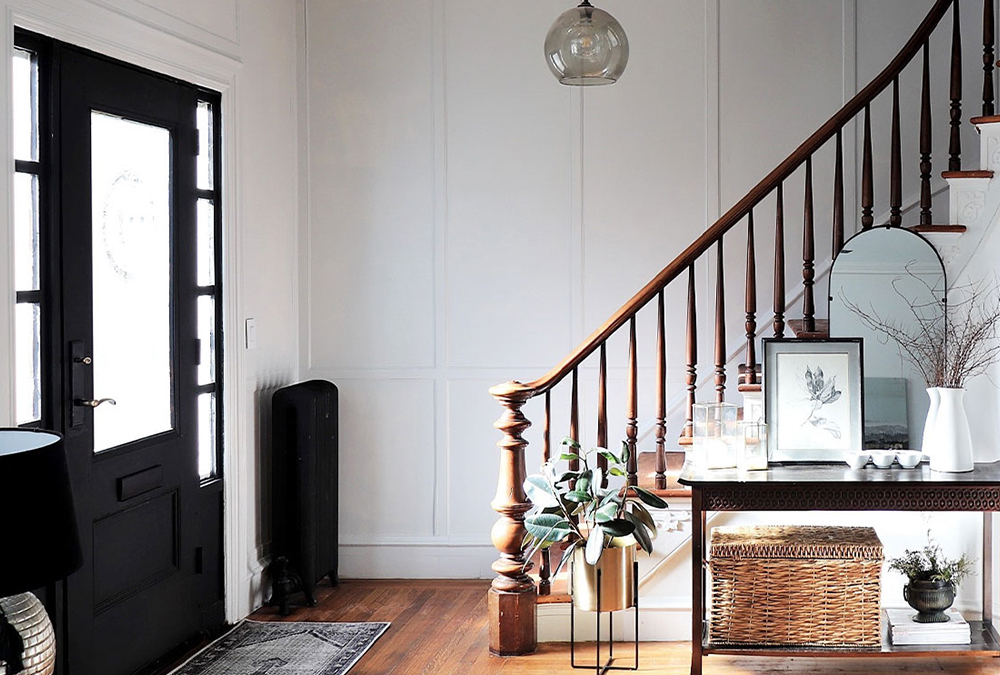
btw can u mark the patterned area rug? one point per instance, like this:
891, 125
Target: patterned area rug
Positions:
285, 648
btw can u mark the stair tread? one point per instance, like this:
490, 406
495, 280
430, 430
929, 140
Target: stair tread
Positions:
647, 474
960, 229
967, 174
797, 326
985, 119
558, 590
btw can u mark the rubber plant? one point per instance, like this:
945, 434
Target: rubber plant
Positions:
575, 506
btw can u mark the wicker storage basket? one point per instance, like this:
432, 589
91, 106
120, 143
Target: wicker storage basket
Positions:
808, 586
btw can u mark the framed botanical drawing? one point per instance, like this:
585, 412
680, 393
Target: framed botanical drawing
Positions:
813, 399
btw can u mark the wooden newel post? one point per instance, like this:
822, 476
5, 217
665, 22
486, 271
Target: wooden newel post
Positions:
512, 596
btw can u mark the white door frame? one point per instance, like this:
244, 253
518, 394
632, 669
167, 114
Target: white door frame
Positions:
123, 37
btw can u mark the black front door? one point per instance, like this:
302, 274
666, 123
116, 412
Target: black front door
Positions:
127, 300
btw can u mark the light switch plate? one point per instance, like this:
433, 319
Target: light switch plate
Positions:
251, 333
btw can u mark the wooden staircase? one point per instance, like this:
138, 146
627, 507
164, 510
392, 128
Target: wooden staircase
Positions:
515, 592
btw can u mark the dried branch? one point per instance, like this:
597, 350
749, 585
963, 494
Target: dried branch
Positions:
950, 344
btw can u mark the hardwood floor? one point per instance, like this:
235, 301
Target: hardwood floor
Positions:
440, 627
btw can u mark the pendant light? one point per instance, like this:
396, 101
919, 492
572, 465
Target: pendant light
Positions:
586, 46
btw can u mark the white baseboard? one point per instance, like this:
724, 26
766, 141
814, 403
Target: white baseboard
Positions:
659, 621
257, 586
416, 561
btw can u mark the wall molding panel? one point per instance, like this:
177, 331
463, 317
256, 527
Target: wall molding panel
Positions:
549, 207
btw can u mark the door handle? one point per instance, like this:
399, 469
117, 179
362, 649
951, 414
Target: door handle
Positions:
93, 403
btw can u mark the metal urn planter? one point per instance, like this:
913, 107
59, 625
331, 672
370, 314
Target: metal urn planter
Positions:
931, 599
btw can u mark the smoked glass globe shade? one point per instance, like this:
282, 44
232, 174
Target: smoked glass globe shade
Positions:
586, 46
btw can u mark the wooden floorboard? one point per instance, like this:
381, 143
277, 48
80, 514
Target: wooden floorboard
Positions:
440, 627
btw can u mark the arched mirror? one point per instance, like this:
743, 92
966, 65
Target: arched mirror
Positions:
893, 275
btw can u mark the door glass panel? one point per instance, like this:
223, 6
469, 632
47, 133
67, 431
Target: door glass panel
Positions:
206, 435
206, 339
131, 285
25, 85
28, 373
206, 146
25, 231
206, 242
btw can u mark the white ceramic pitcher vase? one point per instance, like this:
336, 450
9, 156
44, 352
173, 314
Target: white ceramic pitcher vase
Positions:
951, 443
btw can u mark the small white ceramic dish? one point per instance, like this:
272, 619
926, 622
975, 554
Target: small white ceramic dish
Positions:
856, 460
883, 458
908, 459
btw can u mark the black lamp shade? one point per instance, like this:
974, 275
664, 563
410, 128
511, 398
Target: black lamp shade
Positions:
37, 517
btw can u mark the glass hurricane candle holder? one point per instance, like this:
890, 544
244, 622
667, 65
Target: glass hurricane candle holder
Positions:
754, 454
716, 434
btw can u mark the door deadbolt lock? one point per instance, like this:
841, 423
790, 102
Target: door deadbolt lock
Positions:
93, 403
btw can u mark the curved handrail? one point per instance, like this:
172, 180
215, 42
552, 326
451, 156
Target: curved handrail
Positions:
714, 233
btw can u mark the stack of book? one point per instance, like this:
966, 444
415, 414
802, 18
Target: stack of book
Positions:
903, 630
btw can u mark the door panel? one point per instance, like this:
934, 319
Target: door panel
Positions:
130, 192
150, 528
125, 143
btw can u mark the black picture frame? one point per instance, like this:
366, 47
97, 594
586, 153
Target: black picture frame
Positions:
813, 398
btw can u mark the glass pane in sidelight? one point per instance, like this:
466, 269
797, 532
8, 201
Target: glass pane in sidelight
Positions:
206, 146
131, 279
28, 376
206, 337
26, 268
206, 242
25, 108
207, 426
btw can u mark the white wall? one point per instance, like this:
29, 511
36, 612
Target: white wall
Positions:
246, 49
267, 177
470, 221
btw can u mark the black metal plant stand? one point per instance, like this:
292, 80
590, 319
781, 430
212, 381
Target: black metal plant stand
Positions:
598, 668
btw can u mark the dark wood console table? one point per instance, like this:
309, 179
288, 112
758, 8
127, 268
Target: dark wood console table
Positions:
835, 487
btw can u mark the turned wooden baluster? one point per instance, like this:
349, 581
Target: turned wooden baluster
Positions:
779, 264
511, 599
720, 327
896, 166
574, 419
632, 408
926, 218
838, 198
808, 256
545, 572
660, 479
691, 352
955, 147
546, 429
602, 411
867, 186
988, 58
749, 368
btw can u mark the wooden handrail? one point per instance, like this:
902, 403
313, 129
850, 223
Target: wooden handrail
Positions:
742, 208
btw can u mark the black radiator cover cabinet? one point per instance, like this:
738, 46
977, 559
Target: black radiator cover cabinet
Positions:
304, 462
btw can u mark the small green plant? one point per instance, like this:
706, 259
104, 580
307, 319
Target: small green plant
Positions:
574, 506
929, 564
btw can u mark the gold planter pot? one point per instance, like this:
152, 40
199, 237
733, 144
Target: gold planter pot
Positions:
617, 579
